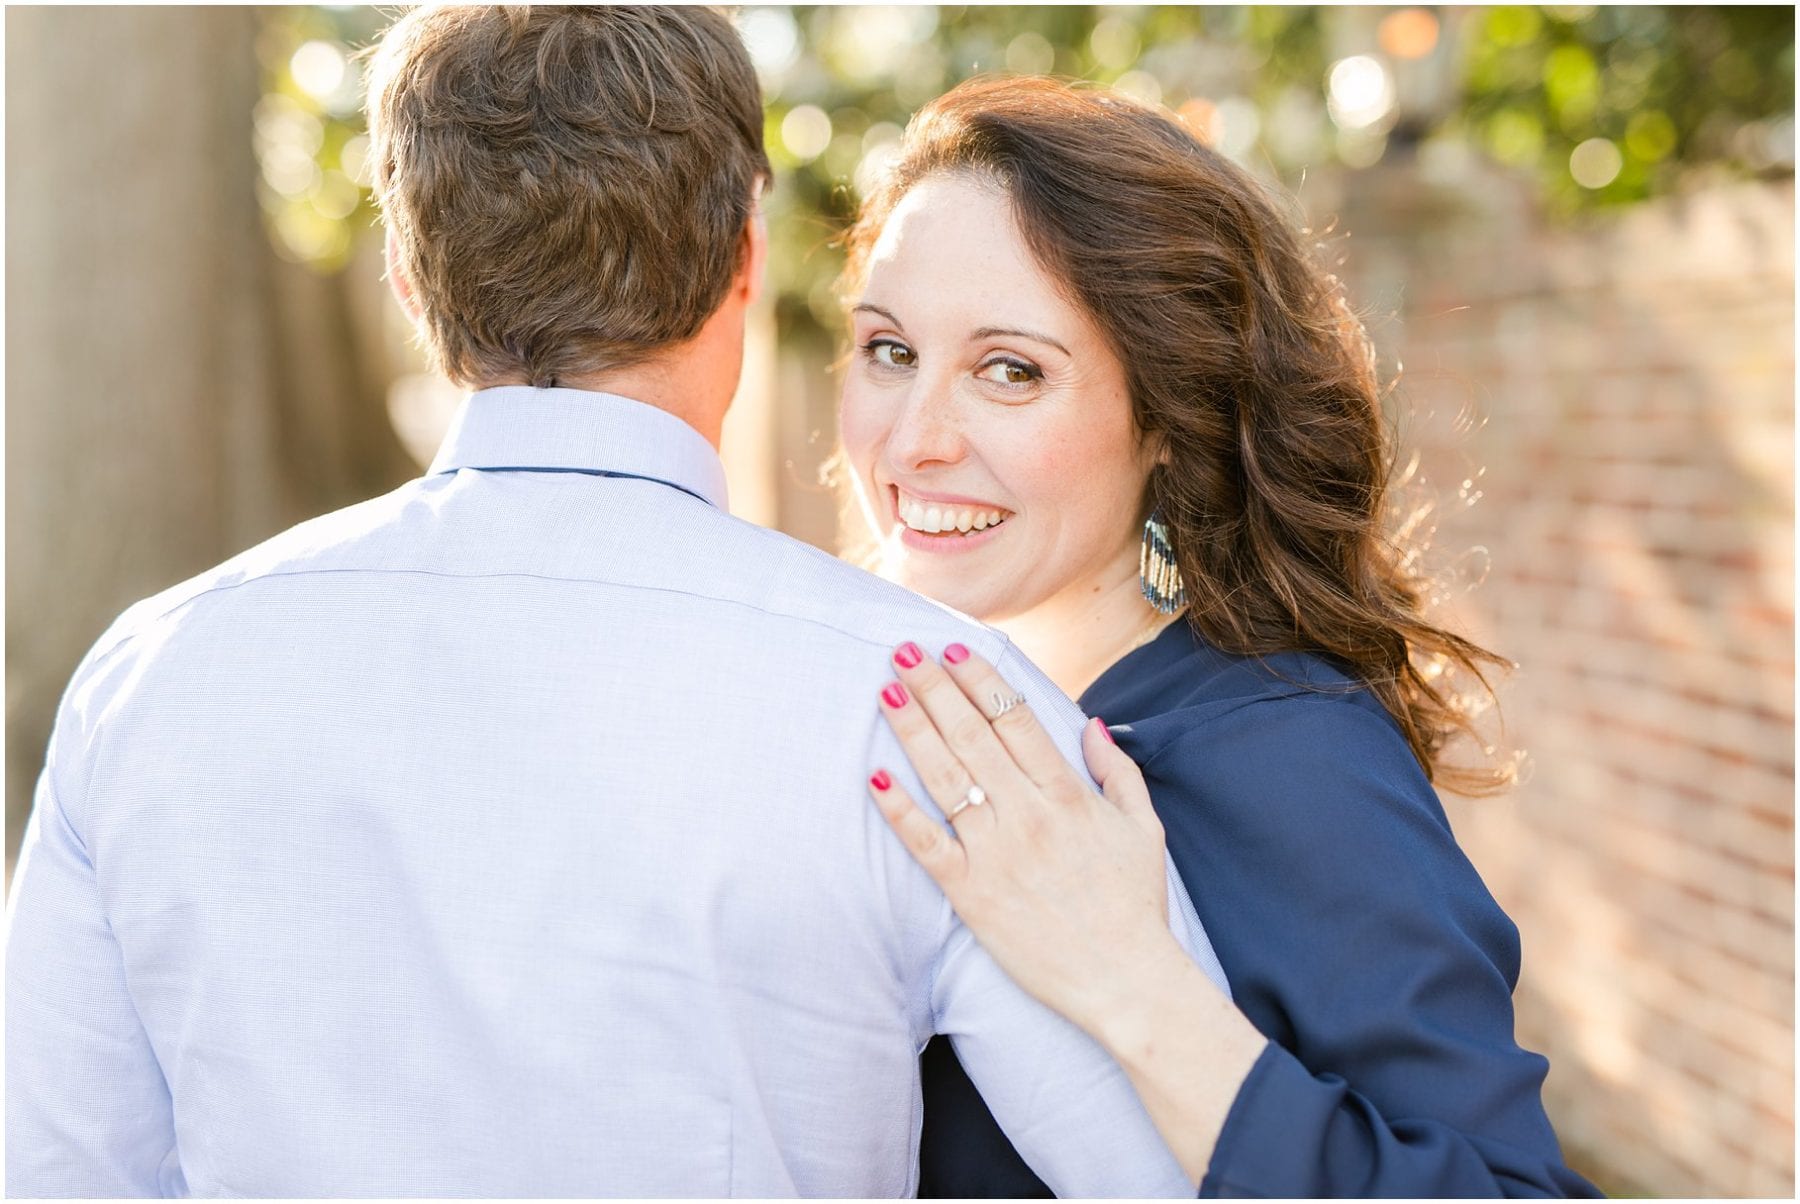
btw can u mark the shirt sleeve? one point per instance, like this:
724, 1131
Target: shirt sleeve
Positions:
1066, 1105
88, 1113
1363, 943
1062, 1101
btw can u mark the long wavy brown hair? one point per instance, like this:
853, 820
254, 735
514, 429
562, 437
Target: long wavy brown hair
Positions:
1246, 366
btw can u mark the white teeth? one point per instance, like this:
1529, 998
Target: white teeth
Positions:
934, 520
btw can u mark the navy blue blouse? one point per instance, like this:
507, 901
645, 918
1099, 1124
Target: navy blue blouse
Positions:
1355, 934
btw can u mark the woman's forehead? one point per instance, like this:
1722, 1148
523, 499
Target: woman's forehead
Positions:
952, 248
947, 215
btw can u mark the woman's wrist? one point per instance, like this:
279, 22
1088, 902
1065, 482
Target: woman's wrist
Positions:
1187, 1050
1141, 991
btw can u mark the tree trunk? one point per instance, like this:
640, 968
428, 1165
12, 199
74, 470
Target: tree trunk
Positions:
175, 391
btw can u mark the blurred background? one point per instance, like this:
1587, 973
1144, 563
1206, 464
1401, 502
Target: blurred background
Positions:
1570, 229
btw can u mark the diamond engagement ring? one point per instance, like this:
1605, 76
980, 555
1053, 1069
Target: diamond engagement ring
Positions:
1004, 703
974, 798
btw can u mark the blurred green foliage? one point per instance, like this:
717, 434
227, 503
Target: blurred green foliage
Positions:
1603, 106
1685, 94
309, 129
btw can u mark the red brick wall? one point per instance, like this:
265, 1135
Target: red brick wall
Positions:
1621, 397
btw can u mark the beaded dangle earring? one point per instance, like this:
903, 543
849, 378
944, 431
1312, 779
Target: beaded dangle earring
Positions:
1157, 573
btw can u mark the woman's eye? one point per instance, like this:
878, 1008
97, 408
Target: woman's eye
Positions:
891, 354
1010, 372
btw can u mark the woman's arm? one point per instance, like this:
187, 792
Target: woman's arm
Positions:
1355, 934
1065, 888
1186, 1049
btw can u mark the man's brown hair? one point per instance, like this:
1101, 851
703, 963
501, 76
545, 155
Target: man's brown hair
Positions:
567, 187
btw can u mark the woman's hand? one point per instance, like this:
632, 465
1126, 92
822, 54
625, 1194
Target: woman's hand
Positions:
1065, 888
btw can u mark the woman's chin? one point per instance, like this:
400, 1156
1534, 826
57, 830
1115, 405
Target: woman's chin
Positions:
974, 596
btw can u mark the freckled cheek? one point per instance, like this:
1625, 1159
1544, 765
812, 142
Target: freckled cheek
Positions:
861, 433
1049, 473
1086, 485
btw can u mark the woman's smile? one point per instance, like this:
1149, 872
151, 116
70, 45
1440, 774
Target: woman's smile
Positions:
938, 523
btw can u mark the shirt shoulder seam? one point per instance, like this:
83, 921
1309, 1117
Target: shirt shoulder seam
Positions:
999, 641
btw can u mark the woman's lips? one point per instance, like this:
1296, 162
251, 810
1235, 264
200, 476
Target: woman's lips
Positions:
918, 541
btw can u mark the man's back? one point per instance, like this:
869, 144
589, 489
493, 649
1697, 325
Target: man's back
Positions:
505, 835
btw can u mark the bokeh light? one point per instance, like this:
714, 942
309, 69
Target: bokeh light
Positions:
773, 40
287, 140
1360, 147
1202, 118
881, 134
318, 68
1511, 25
1408, 33
1516, 137
1595, 163
874, 165
867, 44
336, 196
353, 159
1115, 43
1240, 125
1572, 84
1140, 85
1030, 54
806, 132
1360, 92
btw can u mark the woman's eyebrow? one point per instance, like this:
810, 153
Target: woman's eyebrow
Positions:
865, 307
988, 332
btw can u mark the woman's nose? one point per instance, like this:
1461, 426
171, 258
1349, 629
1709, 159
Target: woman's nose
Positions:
927, 430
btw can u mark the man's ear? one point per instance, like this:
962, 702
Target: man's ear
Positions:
397, 280
756, 250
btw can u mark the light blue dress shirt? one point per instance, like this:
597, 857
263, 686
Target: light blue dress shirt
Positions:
507, 835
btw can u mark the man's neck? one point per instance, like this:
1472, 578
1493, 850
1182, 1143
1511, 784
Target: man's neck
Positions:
694, 381
653, 388
655, 383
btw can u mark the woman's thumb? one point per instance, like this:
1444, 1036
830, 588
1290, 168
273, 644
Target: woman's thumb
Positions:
1118, 775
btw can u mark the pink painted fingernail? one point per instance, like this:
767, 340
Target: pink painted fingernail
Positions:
1104, 730
880, 780
894, 695
908, 655
956, 654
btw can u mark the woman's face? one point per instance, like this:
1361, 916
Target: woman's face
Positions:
985, 418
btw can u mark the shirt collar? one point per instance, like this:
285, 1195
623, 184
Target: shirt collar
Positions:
572, 430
